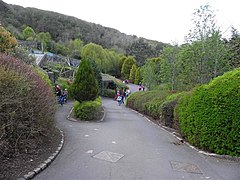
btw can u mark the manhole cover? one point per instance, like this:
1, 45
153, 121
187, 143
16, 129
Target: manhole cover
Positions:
185, 167
108, 156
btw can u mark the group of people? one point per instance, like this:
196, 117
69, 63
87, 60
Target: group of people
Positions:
122, 94
62, 95
141, 87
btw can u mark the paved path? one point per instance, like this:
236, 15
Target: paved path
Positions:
126, 146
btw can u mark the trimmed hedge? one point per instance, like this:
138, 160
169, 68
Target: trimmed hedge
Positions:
210, 115
147, 102
88, 110
156, 104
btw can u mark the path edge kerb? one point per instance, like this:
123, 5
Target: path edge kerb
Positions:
46, 163
237, 159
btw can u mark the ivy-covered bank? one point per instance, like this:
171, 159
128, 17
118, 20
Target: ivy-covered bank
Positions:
207, 117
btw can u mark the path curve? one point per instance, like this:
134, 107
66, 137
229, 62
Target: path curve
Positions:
127, 146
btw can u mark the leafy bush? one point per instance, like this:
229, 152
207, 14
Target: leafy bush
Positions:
108, 93
147, 102
88, 110
26, 106
209, 116
22, 54
7, 41
44, 76
168, 113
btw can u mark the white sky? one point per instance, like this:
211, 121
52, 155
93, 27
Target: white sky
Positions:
167, 21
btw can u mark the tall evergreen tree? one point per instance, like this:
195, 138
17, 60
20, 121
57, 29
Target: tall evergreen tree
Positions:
234, 45
137, 78
132, 73
97, 74
85, 86
126, 67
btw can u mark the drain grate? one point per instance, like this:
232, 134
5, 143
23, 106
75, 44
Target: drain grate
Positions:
108, 156
185, 167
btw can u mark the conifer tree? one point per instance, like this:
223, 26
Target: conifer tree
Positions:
126, 67
85, 86
133, 73
137, 76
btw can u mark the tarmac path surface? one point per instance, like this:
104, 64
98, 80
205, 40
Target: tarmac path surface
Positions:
126, 146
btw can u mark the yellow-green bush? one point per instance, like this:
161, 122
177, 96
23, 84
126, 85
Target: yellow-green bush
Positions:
210, 115
88, 110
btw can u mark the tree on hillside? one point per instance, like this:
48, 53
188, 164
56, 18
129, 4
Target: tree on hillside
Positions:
29, 34
151, 73
126, 67
113, 63
169, 66
141, 50
85, 86
234, 46
7, 41
137, 78
188, 75
122, 59
96, 53
132, 73
74, 48
45, 39
206, 35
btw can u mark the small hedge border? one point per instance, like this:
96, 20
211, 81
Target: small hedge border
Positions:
154, 105
88, 110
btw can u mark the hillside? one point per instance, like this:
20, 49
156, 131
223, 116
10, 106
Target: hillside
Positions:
64, 28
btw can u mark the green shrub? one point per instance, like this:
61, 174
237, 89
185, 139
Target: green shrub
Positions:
209, 117
147, 102
43, 75
26, 106
85, 85
109, 93
88, 110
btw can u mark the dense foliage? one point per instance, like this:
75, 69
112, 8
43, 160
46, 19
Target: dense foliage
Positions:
27, 107
88, 110
127, 66
133, 73
148, 102
107, 61
141, 50
64, 28
66, 84
85, 85
209, 116
7, 41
